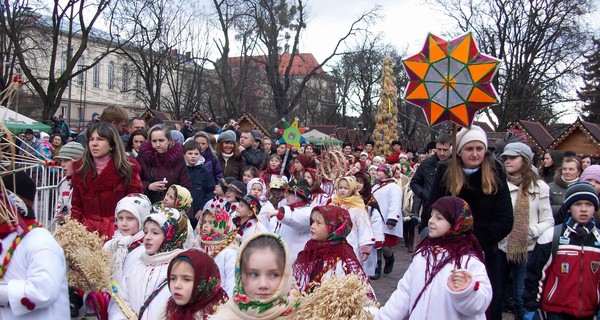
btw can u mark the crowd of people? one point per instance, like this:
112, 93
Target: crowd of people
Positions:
229, 224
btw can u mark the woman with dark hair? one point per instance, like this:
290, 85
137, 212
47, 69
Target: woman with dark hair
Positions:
162, 163
552, 161
231, 161
211, 162
102, 177
136, 138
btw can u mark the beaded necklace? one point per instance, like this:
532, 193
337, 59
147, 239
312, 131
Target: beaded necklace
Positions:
151, 297
13, 246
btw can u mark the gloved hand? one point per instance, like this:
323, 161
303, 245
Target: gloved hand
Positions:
529, 315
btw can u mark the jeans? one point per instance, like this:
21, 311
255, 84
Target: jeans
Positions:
502, 269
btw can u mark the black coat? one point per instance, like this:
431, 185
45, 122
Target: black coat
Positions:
422, 181
492, 214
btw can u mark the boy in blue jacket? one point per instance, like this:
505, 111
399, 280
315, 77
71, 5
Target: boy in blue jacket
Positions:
564, 271
203, 183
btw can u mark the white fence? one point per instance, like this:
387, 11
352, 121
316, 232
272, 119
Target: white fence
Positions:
46, 180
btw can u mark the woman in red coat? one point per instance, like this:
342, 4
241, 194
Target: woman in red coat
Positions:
102, 177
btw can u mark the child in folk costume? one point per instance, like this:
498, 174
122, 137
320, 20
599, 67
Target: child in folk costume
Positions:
70, 152
145, 283
218, 237
273, 169
219, 201
389, 197
233, 191
265, 288
127, 244
447, 278
361, 237
195, 286
246, 219
327, 254
33, 275
180, 198
318, 196
292, 221
257, 188
299, 166
363, 185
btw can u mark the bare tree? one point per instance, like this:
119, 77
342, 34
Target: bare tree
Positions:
155, 32
49, 42
541, 43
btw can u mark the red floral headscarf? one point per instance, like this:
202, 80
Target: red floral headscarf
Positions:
207, 293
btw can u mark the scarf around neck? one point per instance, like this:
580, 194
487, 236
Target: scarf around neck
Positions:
516, 249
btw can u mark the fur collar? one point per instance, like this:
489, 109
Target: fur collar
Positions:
168, 159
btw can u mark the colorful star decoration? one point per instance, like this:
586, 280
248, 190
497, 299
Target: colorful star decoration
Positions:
291, 135
451, 80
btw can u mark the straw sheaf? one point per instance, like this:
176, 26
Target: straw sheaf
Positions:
89, 265
336, 298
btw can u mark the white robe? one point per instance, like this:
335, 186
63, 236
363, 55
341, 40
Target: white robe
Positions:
36, 272
294, 229
389, 199
226, 260
140, 281
438, 301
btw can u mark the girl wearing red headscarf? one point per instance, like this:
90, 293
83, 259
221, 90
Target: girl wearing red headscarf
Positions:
327, 253
195, 299
318, 196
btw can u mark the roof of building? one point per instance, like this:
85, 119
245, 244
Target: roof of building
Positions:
537, 132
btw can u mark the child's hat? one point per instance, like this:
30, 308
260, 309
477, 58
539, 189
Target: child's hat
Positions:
300, 188
137, 204
70, 151
337, 220
304, 160
386, 168
225, 182
238, 187
184, 198
174, 225
251, 202
580, 191
592, 172
277, 183
222, 226
457, 212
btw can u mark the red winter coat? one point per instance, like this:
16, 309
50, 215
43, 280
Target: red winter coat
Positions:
94, 205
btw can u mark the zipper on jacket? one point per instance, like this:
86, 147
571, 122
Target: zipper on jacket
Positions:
581, 263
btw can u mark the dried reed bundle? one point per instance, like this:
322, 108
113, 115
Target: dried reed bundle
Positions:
337, 298
89, 265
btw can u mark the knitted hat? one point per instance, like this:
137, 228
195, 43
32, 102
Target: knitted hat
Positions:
238, 187
371, 142
95, 114
177, 136
224, 183
226, 136
457, 212
403, 155
364, 153
251, 202
397, 142
184, 197
304, 160
466, 135
174, 225
260, 181
70, 151
517, 149
44, 135
580, 191
592, 172
337, 220
137, 204
300, 188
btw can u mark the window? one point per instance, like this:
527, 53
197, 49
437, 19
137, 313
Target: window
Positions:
138, 81
96, 75
111, 75
80, 77
66, 57
124, 77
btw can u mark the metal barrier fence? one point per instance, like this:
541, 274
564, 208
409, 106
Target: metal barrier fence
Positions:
46, 181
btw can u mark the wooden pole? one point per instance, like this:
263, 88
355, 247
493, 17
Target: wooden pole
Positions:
454, 151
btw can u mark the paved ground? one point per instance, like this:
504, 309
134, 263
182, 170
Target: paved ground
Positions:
385, 286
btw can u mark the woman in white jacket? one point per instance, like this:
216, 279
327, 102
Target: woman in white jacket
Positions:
145, 285
532, 211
